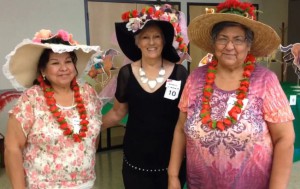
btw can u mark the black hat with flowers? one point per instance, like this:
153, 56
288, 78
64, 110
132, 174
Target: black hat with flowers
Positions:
134, 22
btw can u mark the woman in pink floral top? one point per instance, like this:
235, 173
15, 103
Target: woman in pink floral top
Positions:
53, 128
235, 122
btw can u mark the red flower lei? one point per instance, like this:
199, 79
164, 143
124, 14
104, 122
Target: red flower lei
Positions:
205, 114
63, 124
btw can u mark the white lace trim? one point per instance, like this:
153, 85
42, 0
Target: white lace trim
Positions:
57, 48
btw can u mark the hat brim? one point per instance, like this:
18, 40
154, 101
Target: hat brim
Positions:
265, 41
127, 44
21, 65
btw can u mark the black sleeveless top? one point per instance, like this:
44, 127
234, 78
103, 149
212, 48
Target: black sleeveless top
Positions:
151, 120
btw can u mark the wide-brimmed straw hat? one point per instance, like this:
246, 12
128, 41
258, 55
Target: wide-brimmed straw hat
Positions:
21, 65
134, 22
265, 41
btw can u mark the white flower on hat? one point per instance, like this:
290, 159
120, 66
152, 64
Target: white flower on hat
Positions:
173, 18
135, 24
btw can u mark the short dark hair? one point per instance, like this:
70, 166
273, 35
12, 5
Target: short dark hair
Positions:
44, 58
217, 28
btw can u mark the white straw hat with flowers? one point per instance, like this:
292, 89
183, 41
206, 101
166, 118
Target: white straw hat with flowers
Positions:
265, 41
21, 64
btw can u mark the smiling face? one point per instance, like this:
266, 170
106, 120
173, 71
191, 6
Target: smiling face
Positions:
151, 42
60, 69
231, 46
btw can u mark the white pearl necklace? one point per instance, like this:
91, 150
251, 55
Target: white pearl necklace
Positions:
152, 82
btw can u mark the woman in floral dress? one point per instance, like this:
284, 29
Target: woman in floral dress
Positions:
53, 128
235, 121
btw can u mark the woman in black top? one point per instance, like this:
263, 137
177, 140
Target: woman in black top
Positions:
148, 90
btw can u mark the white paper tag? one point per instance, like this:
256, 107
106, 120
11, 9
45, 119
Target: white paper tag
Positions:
75, 122
172, 89
230, 103
293, 100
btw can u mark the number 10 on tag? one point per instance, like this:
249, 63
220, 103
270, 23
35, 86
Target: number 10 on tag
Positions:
172, 89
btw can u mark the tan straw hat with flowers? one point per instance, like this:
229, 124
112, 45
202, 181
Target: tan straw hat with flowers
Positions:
21, 65
265, 41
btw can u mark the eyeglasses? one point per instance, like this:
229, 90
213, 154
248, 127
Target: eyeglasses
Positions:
235, 41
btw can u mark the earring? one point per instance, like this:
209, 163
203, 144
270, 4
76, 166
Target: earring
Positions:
44, 77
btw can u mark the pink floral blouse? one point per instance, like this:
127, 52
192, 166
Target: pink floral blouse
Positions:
241, 156
52, 160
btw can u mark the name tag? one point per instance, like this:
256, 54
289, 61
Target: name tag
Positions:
172, 89
75, 122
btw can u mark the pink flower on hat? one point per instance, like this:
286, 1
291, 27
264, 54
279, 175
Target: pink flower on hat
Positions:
164, 17
44, 34
63, 35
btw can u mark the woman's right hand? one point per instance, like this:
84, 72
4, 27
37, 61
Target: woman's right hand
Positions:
174, 183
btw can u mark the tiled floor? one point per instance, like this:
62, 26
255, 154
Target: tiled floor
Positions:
109, 176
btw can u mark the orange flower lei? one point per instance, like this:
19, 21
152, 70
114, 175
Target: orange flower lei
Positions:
63, 125
241, 94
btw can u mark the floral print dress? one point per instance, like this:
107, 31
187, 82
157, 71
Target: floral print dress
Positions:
240, 156
52, 160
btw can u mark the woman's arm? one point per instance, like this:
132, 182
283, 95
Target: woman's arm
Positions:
15, 141
283, 137
177, 152
114, 116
